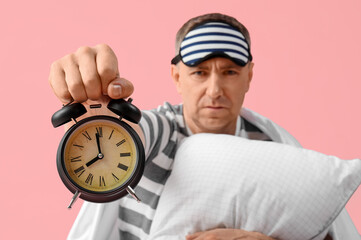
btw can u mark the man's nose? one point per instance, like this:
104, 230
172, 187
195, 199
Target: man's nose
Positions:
214, 87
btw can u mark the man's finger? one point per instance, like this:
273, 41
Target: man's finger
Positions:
74, 82
107, 65
58, 84
120, 88
88, 71
193, 236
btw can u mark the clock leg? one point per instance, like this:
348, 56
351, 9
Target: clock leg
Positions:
132, 193
75, 197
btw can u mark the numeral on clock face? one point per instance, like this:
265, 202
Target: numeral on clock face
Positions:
100, 131
89, 179
79, 170
79, 146
101, 181
111, 134
127, 154
115, 177
75, 159
120, 143
122, 166
86, 134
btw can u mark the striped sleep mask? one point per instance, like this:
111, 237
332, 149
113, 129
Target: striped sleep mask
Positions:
213, 39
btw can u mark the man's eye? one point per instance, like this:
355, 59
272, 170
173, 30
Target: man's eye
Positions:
199, 73
230, 72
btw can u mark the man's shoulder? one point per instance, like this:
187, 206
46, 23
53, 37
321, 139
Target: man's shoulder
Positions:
268, 127
166, 109
167, 116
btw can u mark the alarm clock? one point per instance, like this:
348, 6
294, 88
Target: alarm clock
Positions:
100, 158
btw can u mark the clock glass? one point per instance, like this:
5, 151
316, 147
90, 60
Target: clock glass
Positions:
100, 155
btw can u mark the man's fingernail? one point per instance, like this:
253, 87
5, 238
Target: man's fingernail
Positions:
117, 90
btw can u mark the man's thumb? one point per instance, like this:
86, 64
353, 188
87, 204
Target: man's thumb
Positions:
120, 88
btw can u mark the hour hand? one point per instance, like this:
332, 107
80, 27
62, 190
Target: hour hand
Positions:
92, 161
98, 142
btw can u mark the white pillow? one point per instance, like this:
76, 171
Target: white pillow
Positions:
279, 190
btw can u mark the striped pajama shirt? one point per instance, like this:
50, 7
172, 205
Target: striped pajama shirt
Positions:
164, 129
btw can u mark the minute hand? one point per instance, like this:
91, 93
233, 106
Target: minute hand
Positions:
98, 142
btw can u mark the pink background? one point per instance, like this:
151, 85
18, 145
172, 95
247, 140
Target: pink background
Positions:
307, 79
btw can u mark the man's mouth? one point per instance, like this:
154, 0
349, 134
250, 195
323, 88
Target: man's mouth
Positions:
215, 108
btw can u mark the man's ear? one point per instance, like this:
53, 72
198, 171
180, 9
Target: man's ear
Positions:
250, 74
175, 75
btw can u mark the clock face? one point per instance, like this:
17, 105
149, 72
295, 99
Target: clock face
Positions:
100, 156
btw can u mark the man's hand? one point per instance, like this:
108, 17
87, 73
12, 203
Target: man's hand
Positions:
227, 234
91, 73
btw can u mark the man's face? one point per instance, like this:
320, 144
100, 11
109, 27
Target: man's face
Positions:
212, 93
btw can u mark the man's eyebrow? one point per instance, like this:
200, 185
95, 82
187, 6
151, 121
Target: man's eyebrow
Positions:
199, 67
230, 65
225, 66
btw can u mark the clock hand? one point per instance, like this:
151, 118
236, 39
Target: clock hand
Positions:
98, 143
92, 161
99, 156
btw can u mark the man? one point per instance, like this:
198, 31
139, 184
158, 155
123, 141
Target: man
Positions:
212, 71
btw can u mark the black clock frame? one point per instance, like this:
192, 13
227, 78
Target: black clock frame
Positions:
106, 196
